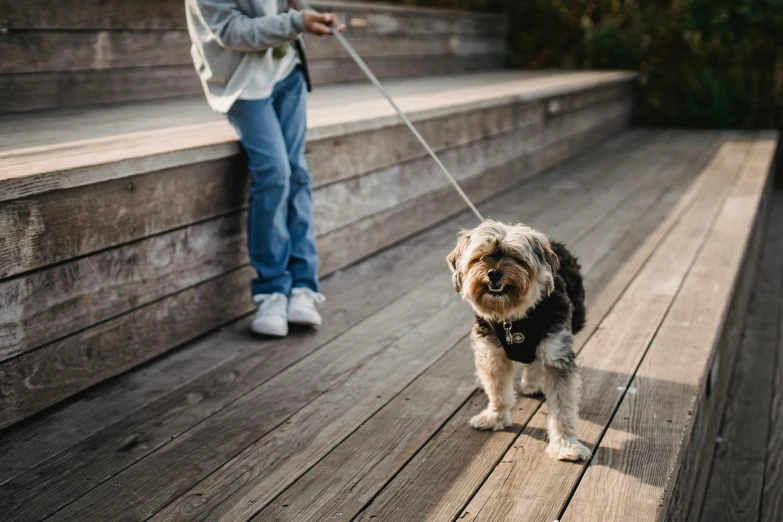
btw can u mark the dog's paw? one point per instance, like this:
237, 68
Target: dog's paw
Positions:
491, 420
568, 450
529, 388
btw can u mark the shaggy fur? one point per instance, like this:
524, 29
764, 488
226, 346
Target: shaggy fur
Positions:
528, 296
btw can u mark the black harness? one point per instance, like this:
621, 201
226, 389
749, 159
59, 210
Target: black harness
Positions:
519, 339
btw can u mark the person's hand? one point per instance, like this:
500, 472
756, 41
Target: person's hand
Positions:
317, 23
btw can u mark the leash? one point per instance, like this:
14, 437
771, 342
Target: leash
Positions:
371, 76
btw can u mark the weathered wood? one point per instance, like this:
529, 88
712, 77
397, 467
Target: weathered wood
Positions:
48, 51
669, 378
47, 90
36, 91
745, 421
772, 506
42, 233
394, 335
76, 295
608, 357
423, 259
60, 225
169, 14
350, 487
735, 491
58, 370
340, 70
343, 110
461, 472
339, 204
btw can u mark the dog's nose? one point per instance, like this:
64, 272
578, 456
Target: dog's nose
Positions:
495, 274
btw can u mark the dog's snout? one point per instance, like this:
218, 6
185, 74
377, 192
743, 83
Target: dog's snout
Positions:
495, 274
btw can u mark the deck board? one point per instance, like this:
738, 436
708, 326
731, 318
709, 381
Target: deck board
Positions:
632, 470
736, 480
367, 419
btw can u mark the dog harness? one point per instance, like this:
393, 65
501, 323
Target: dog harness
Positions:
519, 339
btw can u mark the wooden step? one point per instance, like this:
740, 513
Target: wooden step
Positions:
109, 233
366, 419
120, 51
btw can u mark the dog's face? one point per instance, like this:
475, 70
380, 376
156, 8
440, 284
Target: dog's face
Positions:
502, 270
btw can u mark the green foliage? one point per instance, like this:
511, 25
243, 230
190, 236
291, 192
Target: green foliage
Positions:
703, 63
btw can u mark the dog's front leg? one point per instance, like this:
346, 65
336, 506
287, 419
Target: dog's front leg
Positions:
496, 373
563, 391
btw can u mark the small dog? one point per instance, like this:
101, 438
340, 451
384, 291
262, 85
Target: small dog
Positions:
528, 297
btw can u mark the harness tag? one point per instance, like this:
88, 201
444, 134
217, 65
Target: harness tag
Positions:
512, 338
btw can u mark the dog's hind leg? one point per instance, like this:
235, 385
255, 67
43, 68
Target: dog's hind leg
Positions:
563, 391
532, 381
496, 373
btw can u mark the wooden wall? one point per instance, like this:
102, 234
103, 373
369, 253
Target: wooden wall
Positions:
62, 54
98, 278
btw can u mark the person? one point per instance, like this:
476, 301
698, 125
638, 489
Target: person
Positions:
251, 72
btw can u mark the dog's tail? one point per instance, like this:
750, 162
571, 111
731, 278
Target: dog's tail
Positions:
571, 273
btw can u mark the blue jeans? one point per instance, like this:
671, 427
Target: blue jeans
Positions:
280, 235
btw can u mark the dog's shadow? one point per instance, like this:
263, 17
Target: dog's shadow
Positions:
635, 432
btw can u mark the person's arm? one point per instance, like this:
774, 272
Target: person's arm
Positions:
237, 31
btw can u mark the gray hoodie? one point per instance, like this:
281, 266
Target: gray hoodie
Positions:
230, 43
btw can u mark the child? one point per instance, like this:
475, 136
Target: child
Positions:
250, 72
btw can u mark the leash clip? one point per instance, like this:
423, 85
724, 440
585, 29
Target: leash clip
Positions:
512, 338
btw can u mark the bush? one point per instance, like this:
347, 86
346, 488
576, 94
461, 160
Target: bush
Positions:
703, 63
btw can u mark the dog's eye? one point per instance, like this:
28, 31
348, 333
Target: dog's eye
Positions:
490, 258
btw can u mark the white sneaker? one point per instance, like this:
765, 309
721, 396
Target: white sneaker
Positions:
301, 308
272, 315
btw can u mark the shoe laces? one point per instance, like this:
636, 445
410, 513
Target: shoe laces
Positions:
267, 302
314, 297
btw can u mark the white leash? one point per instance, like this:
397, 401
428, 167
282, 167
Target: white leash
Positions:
363, 66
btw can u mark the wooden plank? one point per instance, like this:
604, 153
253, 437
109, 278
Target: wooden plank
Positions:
743, 434
169, 14
352, 373
386, 446
46, 51
75, 295
458, 478
687, 496
340, 204
608, 356
58, 370
36, 91
60, 225
348, 244
255, 368
772, 505
735, 491
341, 70
47, 90
669, 378
346, 109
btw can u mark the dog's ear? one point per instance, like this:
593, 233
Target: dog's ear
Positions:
548, 258
463, 239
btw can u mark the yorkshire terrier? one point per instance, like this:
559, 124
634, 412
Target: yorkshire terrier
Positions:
528, 297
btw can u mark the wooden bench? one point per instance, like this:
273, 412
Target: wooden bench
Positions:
367, 418
124, 231
115, 51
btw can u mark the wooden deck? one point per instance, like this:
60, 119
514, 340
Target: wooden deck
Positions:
746, 476
366, 419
